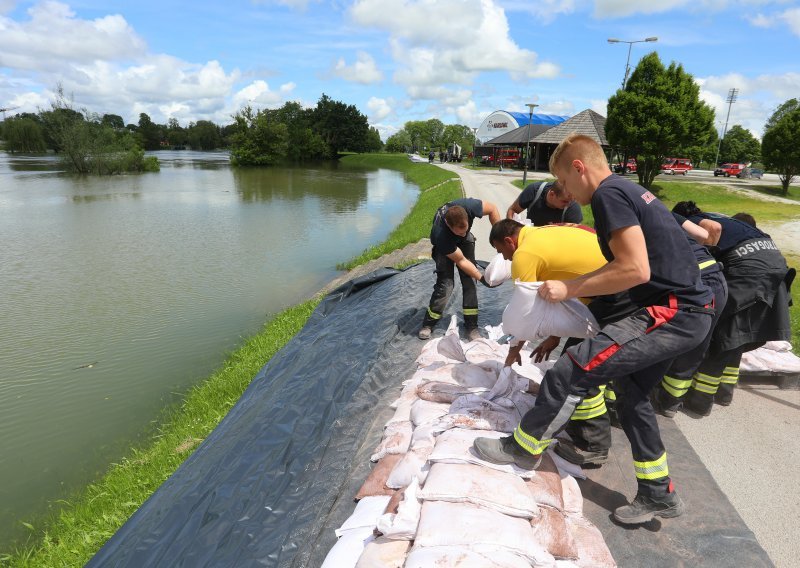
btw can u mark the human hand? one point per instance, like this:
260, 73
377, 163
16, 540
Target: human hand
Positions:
542, 352
513, 355
553, 291
484, 282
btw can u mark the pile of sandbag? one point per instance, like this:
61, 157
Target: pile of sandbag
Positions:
431, 501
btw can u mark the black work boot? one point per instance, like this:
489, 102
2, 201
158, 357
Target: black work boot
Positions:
505, 451
724, 394
573, 454
645, 508
699, 402
664, 403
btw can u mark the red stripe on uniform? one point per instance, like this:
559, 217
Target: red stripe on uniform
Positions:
662, 314
598, 359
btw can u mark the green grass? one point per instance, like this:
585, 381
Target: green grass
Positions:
84, 523
435, 190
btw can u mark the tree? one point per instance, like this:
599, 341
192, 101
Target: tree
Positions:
658, 114
460, 134
739, 145
204, 135
374, 142
113, 120
341, 126
785, 108
259, 140
23, 135
400, 141
780, 150
175, 133
149, 132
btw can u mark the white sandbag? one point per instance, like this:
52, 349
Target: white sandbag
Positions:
483, 349
440, 372
508, 382
455, 446
502, 414
450, 346
532, 318
474, 376
573, 499
545, 487
384, 553
593, 551
429, 353
366, 514
396, 437
439, 391
426, 412
463, 557
551, 530
403, 524
497, 271
777, 346
462, 421
478, 529
768, 361
349, 548
414, 464
494, 332
466, 483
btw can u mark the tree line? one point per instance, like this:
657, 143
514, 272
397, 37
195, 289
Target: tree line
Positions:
433, 134
659, 114
87, 142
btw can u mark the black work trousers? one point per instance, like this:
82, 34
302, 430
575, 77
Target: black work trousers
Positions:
445, 282
634, 352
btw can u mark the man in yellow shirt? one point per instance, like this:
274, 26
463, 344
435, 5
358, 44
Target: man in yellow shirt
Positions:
559, 252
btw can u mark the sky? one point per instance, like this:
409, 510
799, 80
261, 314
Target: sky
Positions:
395, 60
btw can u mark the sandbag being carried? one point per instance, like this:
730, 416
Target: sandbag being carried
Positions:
532, 318
497, 271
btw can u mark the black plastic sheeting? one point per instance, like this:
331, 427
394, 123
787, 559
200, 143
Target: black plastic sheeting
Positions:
277, 476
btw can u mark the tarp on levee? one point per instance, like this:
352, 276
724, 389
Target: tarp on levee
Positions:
271, 483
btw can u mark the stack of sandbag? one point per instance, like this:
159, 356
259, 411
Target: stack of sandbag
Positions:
430, 501
773, 358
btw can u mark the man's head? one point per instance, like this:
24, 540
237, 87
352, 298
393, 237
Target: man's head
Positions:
686, 208
579, 165
556, 197
457, 220
746, 218
504, 237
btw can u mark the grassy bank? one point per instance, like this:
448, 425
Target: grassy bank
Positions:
85, 522
437, 186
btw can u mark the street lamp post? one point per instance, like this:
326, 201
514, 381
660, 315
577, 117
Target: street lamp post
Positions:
530, 106
628, 62
474, 146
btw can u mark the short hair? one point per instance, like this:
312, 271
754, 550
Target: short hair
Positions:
504, 228
746, 218
578, 147
556, 188
456, 216
686, 208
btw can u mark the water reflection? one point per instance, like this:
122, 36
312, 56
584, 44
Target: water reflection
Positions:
155, 277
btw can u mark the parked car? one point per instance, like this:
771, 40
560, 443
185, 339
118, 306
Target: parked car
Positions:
676, 166
754, 173
729, 170
629, 169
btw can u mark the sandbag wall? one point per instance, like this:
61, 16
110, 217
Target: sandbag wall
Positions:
430, 501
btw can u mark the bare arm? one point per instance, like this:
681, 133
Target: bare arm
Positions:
629, 268
714, 231
464, 264
695, 231
514, 208
491, 210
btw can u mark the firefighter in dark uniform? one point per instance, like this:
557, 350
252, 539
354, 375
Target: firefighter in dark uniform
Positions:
668, 396
546, 203
650, 257
454, 247
757, 309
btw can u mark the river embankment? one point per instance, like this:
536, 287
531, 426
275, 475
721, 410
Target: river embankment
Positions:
79, 525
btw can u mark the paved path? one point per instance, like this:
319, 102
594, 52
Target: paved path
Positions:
750, 448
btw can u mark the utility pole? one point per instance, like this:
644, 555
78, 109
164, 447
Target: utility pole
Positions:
732, 94
530, 106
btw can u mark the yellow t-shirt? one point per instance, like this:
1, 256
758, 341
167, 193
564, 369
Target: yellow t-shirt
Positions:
555, 252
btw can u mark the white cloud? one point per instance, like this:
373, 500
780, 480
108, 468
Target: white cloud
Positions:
363, 71
378, 109
623, 8
470, 37
599, 106
792, 19
762, 21
545, 11
259, 94
54, 37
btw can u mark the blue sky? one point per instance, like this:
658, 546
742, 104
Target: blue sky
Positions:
396, 60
